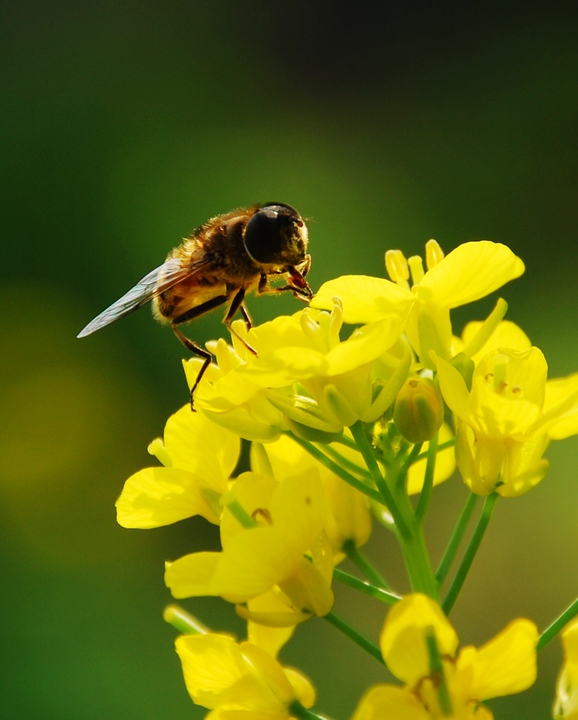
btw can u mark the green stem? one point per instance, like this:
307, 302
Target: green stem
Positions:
437, 670
443, 446
240, 514
409, 461
363, 564
298, 711
386, 497
552, 630
337, 469
354, 635
367, 588
428, 479
421, 575
346, 462
412, 541
470, 553
456, 537
347, 441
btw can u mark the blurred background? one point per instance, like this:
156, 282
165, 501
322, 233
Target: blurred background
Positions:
126, 124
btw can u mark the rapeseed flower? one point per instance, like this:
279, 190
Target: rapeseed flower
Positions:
282, 548
306, 372
198, 458
506, 420
468, 273
348, 517
419, 646
566, 704
345, 427
239, 680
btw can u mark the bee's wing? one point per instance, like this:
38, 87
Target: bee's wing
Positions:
157, 281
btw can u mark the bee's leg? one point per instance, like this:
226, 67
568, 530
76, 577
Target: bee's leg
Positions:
238, 304
246, 316
301, 293
189, 344
306, 266
196, 350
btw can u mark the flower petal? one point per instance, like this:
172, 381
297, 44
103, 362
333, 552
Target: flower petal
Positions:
365, 298
383, 702
154, 497
453, 388
470, 272
253, 562
192, 440
299, 508
192, 575
504, 665
559, 395
403, 638
211, 665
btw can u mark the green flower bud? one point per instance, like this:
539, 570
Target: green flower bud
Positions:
419, 410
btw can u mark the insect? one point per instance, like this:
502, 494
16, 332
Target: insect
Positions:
218, 264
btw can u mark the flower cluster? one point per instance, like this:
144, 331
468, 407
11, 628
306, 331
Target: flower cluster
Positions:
349, 427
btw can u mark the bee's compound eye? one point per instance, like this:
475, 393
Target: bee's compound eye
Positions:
266, 232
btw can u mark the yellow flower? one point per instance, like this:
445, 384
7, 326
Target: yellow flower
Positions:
349, 515
561, 407
305, 372
470, 272
442, 684
285, 549
240, 680
234, 403
348, 518
507, 334
507, 419
566, 704
199, 457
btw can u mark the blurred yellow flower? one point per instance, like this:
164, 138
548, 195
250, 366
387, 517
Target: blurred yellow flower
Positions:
440, 684
566, 703
240, 680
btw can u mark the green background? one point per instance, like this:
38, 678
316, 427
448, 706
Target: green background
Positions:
123, 125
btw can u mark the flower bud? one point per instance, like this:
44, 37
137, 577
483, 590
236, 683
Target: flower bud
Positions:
419, 410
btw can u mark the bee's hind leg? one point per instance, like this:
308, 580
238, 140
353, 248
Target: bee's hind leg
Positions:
239, 305
192, 346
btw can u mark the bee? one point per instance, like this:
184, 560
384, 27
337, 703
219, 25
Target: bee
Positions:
218, 264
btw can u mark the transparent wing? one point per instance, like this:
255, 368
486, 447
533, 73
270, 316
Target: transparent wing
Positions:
170, 273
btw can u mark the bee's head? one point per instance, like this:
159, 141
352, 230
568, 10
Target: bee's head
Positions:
276, 235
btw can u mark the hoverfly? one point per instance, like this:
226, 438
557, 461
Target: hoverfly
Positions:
218, 264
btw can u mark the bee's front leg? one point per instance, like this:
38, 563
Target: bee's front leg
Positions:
300, 289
